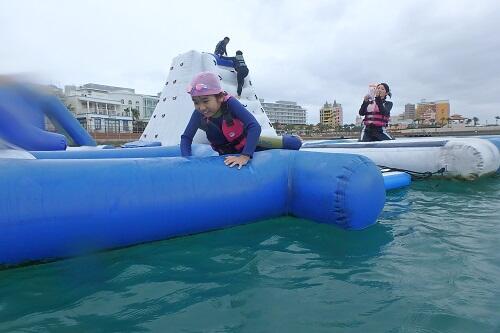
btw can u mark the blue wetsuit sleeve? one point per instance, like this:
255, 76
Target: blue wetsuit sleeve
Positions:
252, 127
189, 132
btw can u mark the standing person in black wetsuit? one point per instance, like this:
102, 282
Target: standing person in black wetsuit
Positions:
220, 48
241, 70
376, 112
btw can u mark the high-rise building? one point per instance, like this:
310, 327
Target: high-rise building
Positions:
442, 111
428, 117
424, 107
331, 114
409, 111
285, 112
439, 111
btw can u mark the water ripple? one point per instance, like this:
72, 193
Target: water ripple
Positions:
431, 264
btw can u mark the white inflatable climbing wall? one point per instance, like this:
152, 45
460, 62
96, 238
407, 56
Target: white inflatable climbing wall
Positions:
174, 109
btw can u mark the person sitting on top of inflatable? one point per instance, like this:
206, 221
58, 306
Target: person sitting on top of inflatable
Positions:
229, 126
376, 111
220, 48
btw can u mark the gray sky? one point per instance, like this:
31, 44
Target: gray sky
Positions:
304, 51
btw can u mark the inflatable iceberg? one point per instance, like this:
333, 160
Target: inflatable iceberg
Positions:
174, 109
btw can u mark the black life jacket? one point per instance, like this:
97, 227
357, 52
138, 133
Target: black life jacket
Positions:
239, 62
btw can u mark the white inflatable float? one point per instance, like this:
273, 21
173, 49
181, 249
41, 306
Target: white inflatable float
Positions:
465, 157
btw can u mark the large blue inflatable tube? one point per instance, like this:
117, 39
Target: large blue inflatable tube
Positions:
22, 122
392, 180
23, 135
198, 150
23, 110
59, 114
59, 208
19, 99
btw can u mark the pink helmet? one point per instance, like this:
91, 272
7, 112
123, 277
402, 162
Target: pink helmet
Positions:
205, 83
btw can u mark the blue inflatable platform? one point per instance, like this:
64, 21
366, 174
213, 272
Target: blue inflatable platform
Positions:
56, 208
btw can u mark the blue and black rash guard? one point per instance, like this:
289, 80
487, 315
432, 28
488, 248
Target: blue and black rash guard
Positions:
214, 133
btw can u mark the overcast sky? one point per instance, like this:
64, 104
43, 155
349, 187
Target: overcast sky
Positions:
304, 51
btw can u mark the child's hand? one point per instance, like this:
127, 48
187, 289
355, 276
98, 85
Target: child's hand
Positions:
239, 160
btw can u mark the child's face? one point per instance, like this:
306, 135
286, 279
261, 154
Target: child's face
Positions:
208, 105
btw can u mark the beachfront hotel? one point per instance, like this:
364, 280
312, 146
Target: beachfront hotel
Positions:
284, 112
103, 108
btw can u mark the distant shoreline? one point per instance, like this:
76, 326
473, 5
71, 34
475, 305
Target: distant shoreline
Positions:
417, 132
118, 139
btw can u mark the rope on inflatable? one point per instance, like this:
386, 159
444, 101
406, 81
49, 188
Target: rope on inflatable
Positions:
415, 174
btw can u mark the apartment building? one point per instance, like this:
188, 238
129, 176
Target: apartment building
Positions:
331, 114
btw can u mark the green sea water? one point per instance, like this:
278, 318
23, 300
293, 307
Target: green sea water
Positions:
431, 264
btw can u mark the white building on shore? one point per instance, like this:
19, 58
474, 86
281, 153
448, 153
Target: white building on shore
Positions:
284, 112
102, 108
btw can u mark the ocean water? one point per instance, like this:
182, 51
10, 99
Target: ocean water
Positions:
431, 264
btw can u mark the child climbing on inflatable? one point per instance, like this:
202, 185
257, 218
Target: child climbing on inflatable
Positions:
241, 69
376, 111
229, 126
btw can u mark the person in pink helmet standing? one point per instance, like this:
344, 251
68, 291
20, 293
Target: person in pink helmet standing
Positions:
230, 128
